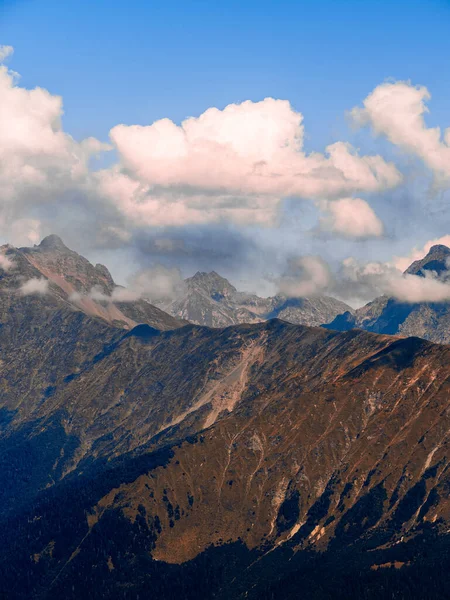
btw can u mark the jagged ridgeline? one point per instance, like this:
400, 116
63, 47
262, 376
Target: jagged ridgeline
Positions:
209, 299
143, 457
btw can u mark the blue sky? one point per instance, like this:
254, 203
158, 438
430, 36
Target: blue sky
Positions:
137, 61
134, 63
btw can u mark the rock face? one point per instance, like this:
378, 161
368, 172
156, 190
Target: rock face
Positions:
71, 279
389, 316
436, 260
209, 299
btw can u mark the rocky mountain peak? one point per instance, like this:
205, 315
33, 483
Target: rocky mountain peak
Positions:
52, 242
211, 282
74, 281
436, 260
104, 273
439, 248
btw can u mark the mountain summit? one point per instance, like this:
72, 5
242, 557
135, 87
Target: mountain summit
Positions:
436, 260
61, 275
52, 242
209, 299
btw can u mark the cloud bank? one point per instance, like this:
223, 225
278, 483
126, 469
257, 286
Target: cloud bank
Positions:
234, 165
354, 280
222, 174
156, 284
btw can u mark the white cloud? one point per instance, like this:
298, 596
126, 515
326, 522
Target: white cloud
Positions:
6, 263
350, 217
155, 284
411, 288
375, 279
231, 165
306, 276
34, 286
397, 111
5, 52
225, 166
158, 283
253, 147
39, 162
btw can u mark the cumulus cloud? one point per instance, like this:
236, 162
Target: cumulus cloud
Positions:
35, 286
305, 276
226, 166
216, 172
233, 164
397, 111
350, 217
39, 162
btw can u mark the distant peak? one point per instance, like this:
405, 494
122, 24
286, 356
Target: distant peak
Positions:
212, 275
436, 260
103, 272
439, 249
52, 242
212, 282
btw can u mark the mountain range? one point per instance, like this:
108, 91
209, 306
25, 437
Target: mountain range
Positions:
71, 281
209, 299
387, 315
142, 456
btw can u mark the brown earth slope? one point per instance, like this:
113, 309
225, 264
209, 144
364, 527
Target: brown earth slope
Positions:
207, 462
72, 279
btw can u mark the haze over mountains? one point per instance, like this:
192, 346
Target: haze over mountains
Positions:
209, 299
429, 320
261, 460
63, 276
67, 279
204, 299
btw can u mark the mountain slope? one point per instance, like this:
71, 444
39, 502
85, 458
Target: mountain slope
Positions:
72, 279
204, 463
263, 461
386, 315
209, 299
